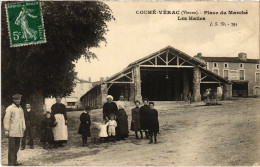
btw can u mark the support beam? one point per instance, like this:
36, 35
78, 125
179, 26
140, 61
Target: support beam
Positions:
172, 59
171, 66
196, 84
204, 77
137, 83
132, 92
162, 59
207, 82
123, 82
104, 92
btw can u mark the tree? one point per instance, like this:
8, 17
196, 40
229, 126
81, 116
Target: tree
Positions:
44, 70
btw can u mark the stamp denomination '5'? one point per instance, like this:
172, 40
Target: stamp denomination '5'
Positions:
25, 23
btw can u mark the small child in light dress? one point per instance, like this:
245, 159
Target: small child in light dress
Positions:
112, 127
103, 132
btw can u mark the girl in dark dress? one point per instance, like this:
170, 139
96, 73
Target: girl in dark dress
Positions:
136, 120
144, 121
84, 128
153, 123
47, 135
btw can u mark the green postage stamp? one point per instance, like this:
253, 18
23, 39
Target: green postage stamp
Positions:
25, 23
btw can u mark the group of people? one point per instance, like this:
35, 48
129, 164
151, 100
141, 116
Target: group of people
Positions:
114, 126
18, 123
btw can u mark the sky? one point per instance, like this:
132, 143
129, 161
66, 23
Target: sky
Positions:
133, 36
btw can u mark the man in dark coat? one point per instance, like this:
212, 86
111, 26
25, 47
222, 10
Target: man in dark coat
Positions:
109, 108
144, 122
60, 131
153, 128
29, 122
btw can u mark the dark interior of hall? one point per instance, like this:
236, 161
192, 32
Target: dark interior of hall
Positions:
165, 84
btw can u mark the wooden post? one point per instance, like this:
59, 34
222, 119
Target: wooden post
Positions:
196, 84
132, 92
137, 83
103, 94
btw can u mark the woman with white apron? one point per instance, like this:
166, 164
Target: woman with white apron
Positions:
60, 131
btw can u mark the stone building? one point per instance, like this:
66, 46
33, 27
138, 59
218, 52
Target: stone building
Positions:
166, 75
243, 72
72, 102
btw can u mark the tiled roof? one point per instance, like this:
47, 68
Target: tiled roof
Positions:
228, 59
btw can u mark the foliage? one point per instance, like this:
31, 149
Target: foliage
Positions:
72, 29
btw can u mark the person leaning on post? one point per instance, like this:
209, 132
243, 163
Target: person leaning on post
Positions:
14, 125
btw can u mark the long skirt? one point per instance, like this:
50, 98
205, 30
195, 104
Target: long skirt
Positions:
60, 131
122, 123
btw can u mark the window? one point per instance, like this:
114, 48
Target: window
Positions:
225, 74
215, 64
71, 103
241, 65
241, 74
257, 77
215, 71
225, 65
257, 66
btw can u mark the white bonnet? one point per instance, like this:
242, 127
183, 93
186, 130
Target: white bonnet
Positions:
111, 97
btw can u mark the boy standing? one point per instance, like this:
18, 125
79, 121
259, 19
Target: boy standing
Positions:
28, 115
14, 125
84, 127
153, 123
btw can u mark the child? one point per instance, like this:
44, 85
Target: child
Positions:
153, 123
47, 136
103, 132
112, 127
144, 122
84, 128
136, 120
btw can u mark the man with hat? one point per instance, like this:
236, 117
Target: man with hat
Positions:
14, 125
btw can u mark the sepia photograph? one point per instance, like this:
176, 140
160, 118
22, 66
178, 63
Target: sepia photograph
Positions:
130, 83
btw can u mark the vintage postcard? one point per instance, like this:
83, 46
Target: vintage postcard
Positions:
130, 83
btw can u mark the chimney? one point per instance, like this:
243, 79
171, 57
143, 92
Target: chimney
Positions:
198, 55
242, 56
101, 79
89, 79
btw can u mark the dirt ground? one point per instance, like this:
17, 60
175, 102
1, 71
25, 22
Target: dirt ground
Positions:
190, 135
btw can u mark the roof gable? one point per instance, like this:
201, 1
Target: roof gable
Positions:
172, 51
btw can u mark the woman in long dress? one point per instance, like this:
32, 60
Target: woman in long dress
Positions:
108, 108
60, 131
121, 119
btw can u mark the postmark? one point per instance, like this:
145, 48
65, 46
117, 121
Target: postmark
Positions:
25, 23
